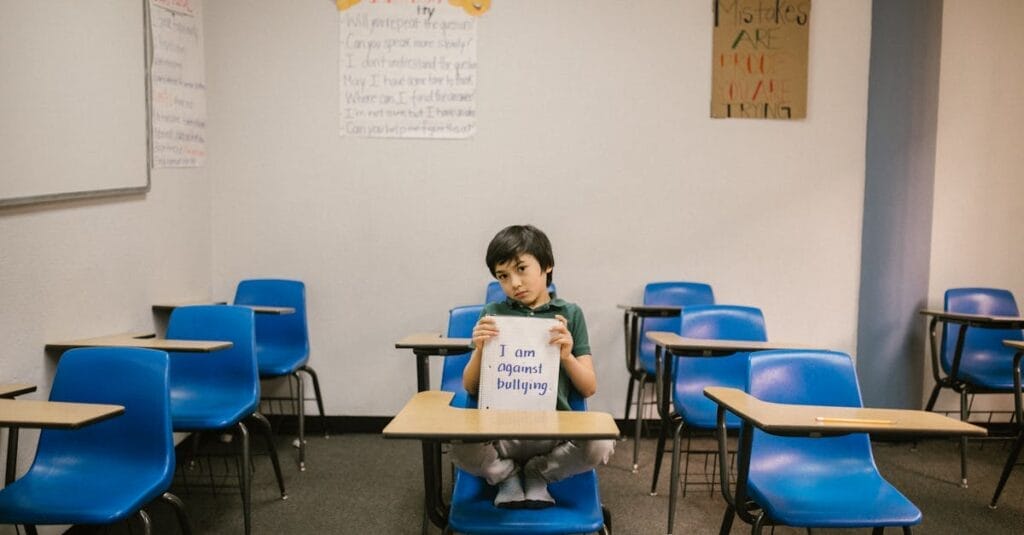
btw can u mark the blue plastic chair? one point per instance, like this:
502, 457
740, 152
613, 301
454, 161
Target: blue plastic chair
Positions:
216, 391
692, 374
282, 343
461, 321
495, 294
640, 354
986, 365
578, 506
826, 482
108, 471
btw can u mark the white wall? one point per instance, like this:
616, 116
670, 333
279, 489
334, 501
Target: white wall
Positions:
978, 201
593, 125
90, 268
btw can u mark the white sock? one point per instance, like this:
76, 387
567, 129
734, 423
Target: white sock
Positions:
536, 487
510, 492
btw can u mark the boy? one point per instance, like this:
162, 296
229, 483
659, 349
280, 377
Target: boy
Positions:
520, 258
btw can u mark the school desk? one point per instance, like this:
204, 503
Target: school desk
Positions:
16, 414
429, 417
9, 392
814, 420
818, 421
16, 389
426, 345
167, 308
967, 321
144, 340
632, 323
681, 346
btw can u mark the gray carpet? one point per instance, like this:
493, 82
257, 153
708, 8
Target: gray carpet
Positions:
364, 484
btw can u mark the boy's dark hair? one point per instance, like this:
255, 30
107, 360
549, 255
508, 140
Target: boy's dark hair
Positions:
511, 242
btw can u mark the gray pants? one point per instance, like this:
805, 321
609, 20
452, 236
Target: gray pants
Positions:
496, 461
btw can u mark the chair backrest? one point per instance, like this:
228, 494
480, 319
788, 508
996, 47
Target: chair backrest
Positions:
806, 378
680, 294
460, 325
277, 330
693, 374
133, 377
988, 301
234, 369
495, 294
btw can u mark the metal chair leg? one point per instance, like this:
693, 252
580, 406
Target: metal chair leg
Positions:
1011, 461
300, 410
659, 453
244, 481
933, 397
637, 425
727, 518
964, 414
179, 512
758, 524
629, 397
319, 398
674, 481
268, 435
147, 524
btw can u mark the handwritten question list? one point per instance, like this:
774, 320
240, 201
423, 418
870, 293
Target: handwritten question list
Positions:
178, 84
408, 70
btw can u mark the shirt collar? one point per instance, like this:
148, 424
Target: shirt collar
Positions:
556, 303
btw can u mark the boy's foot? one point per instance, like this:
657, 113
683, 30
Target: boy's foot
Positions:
536, 493
510, 493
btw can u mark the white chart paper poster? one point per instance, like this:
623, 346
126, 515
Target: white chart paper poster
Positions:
178, 84
408, 70
519, 367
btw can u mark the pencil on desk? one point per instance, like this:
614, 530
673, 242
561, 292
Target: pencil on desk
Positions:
829, 420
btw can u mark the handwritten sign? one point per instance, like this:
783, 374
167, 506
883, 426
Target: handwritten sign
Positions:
759, 63
519, 367
408, 70
178, 84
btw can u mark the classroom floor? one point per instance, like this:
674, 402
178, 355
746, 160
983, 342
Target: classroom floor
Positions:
364, 484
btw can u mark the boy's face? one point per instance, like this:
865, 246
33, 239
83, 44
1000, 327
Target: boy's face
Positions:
523, 279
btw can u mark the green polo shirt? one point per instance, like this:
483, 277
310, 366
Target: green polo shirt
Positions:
576, 324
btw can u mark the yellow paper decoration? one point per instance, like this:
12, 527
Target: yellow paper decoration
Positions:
345, 4
473, 7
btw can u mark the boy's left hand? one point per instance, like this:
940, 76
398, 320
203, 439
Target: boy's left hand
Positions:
561, 336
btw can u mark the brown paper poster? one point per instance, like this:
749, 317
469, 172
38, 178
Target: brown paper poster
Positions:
759, 62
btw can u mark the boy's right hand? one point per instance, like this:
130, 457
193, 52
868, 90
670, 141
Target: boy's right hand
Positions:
484, 330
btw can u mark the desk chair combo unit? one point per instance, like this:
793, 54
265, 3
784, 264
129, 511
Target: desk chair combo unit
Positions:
971, 357
105, 472
218, 391
282, 344
577, 506
691, 374
472, 511
809, 463
659, 312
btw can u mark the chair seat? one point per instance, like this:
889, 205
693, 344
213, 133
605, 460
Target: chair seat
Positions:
842, 494
275, 361
212, 409
577, 509
53, 493
988, 369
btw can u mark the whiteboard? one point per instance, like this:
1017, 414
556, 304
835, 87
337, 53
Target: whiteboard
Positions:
73, 99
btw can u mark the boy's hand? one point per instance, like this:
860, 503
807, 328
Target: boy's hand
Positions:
484, 330
561, 336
